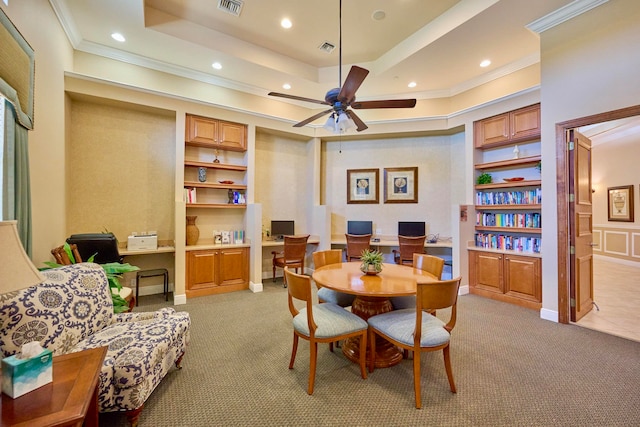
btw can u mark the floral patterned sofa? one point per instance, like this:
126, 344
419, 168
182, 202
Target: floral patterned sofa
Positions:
72, 311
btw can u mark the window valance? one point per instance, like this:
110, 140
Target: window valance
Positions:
17, 71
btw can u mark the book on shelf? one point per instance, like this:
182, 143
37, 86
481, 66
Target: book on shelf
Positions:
189, 195
228, 237
523, 197
508, 242
514, 220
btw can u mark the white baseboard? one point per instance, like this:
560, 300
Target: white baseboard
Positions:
549, 315
256, 287
179, 299
463, 290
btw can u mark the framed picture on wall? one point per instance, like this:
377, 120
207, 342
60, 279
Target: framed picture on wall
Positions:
401, 185
620, 203
362, 185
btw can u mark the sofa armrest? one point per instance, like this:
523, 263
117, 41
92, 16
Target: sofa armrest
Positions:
143, 315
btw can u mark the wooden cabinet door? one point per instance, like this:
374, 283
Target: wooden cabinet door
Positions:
201, 269
232, 136
202, 130
525, 122
487, 271
522, 277
494, 130
233, 267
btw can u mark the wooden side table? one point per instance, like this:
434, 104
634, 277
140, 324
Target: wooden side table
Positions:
70, 400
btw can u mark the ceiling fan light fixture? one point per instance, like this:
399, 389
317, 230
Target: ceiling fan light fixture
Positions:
344, 122
330, 124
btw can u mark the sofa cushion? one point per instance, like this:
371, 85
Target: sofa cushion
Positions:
72, 303
137, 344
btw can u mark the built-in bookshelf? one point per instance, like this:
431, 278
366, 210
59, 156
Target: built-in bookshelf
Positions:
504, 257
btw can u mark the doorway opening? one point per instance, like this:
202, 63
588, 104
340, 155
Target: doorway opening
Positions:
566, 281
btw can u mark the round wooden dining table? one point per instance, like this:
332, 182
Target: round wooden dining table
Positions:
372, 297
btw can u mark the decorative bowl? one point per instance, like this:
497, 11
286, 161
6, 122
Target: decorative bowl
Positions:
515, 179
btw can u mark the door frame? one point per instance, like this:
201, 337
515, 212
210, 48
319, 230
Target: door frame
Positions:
562, 188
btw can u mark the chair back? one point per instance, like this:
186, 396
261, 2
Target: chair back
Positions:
331, 256
409, 245
356, 244
437, 296
429, 263
295, 248
62, 257
299, 288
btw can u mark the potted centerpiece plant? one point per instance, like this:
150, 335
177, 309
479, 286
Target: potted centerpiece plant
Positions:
371, 262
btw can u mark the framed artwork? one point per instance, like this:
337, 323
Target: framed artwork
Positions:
362, 185
401, 185
620, 203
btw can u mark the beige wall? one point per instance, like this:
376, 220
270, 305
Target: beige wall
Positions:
589, 66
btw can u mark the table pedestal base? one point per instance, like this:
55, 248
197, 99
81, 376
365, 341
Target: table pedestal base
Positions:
386, 353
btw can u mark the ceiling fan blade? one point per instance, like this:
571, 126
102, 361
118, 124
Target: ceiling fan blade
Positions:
360, 126
351, 84
298, 98
389, 103
312, 118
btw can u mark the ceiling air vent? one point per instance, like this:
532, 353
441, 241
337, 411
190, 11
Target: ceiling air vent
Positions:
327, 47
233, 7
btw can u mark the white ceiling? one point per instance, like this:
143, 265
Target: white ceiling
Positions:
438, 44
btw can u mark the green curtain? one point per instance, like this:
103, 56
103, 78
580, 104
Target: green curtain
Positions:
16, 191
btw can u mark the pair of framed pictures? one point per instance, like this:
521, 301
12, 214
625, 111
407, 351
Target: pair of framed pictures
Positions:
400, 185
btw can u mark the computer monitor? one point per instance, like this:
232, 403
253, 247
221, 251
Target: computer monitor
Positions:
359, 227
411, 228
103, 245
282, 228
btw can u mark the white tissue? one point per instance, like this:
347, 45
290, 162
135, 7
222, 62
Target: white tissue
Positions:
30, 349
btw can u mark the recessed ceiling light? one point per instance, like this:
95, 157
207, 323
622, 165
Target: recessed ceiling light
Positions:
378, 15
118, 37
485, 63
285, 23
217, 65
412, 84
286, 86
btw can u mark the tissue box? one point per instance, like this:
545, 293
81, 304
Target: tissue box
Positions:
20, 376
142, 243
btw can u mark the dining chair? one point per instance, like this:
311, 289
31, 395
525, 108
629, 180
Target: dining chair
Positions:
320, 323
356, 243
320, 259
407, 246
295, 250
430, 264
415, 330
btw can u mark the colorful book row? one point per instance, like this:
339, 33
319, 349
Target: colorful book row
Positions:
515, 220
508, 243
189, 195
525, 197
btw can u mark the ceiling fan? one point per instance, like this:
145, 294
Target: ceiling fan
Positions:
341, 98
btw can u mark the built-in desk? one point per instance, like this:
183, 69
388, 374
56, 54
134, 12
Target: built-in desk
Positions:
390, 242
159, 250
313, 240
150, 259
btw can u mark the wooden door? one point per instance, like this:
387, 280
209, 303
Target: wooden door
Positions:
525, 122
493, 130
233, 267
487, 271
201, 269
522, 277
580, 226
202, 130
232, 136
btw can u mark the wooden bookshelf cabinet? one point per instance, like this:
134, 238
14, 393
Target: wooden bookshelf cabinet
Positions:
216, 271
219, 147
505, 262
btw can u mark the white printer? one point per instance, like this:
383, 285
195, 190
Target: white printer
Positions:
147, 242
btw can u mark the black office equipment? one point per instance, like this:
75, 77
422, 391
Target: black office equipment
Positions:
103, 245
359, 227
282, 228
411, 228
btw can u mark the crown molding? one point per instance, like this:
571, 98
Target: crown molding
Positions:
570, 11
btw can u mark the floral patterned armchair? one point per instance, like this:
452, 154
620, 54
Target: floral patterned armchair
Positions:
72, 311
